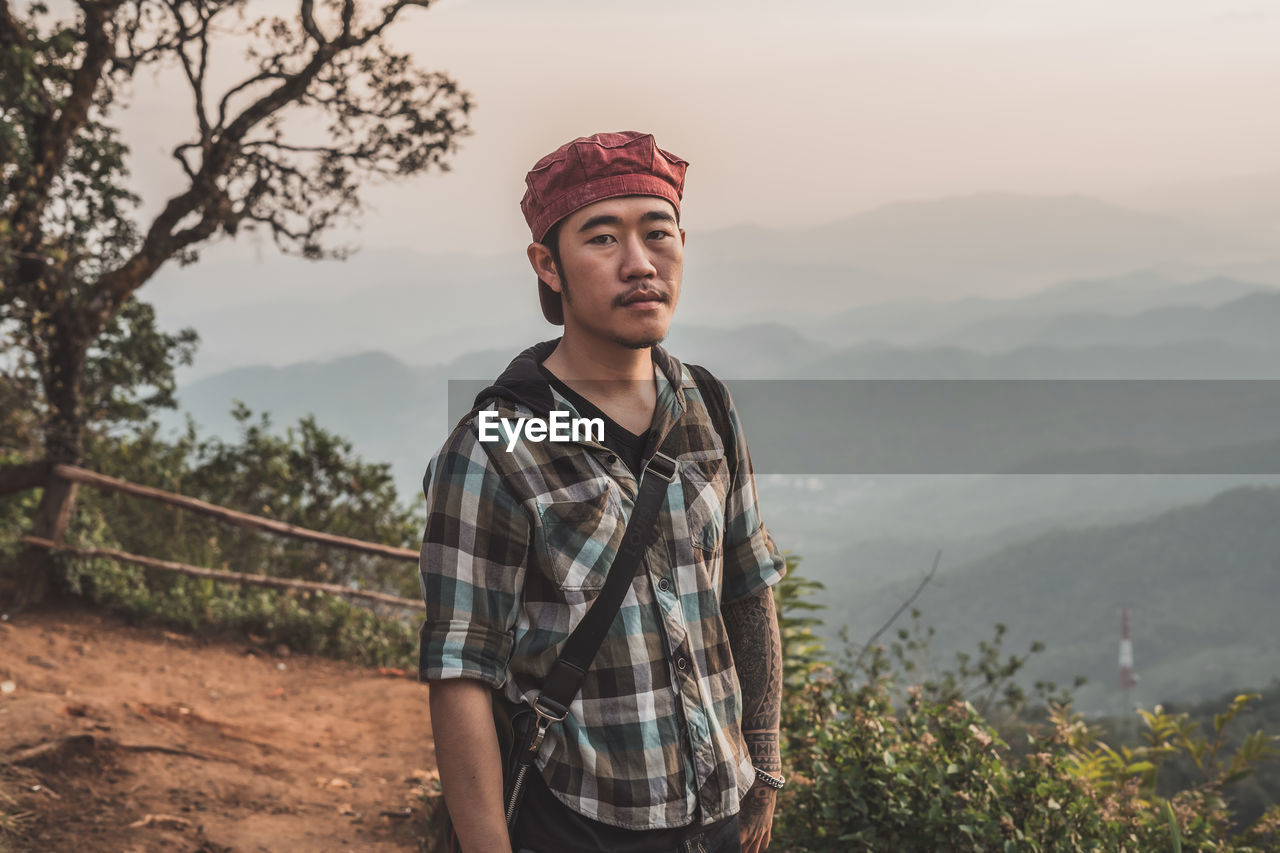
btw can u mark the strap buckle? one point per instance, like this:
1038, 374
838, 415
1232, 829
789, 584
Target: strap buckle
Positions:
663, 466
553, 712
547, 717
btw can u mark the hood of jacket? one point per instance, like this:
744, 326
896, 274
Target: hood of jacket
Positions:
523, 383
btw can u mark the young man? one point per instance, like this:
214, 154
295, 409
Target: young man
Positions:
672, 741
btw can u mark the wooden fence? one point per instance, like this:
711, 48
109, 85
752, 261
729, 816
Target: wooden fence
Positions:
27, 477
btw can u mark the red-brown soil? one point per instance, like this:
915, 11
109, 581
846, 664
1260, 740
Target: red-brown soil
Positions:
119, 738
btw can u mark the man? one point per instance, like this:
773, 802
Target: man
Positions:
672, 741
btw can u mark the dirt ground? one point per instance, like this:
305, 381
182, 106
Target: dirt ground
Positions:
118, 738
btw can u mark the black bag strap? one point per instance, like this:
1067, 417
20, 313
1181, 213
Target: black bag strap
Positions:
709, 387
567, 673
565, 678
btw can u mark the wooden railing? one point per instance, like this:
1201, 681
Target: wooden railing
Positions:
74, 474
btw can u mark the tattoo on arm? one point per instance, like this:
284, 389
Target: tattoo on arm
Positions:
756, 642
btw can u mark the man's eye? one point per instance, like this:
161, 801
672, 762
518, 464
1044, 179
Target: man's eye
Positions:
658, 235
601, 239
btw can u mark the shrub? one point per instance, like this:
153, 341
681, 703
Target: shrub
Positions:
878, 764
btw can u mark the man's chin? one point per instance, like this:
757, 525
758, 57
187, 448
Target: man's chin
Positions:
641, 343
649, 335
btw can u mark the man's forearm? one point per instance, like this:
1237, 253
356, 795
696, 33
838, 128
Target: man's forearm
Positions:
756, 643
469, 762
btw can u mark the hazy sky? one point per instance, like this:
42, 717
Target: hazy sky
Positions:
793, 113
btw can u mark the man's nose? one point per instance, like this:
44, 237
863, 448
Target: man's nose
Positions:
636, 262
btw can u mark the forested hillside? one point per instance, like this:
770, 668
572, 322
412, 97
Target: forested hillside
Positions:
1201, 583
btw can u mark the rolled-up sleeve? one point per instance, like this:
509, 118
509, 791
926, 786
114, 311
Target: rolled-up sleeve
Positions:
474, 553
751, 560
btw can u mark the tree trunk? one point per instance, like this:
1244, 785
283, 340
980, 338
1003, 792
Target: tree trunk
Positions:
63, 443
19, 478
35, 565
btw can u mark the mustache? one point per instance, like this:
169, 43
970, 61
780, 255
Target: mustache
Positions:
644, 293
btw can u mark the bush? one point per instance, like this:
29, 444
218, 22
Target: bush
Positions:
305, 476
315, 623
877, 764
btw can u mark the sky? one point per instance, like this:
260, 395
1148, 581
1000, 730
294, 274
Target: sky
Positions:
806, 112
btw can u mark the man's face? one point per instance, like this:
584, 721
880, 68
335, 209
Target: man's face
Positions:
621, 260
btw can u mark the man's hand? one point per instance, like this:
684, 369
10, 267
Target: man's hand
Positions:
756, 817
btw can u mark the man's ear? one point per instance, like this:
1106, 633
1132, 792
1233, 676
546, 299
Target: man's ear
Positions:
681, 236
543, 266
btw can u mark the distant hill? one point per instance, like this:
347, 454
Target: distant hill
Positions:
390, 411
396, 412
923, 322
1250, 321
1201, 583
993, 243
1249, 203
1182, 360
426, 309
757, 351
281, 311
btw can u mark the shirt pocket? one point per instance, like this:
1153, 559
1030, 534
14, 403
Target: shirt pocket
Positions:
580, 539
705, 483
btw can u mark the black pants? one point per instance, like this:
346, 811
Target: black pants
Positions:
546, 825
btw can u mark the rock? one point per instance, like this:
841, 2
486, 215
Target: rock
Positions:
36, 660
163, 821
404, 812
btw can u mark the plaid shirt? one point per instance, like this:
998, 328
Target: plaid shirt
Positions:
517, 546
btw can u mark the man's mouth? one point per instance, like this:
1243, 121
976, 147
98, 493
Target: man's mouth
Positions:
649, 297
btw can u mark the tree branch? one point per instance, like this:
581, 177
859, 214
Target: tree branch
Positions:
52, 140
309, 25
236, 180
11, 34
885, 627
195, 76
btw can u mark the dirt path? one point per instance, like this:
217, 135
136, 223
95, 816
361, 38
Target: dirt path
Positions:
117, 738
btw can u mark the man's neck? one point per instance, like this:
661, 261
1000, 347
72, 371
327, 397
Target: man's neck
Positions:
580, 360
618, 380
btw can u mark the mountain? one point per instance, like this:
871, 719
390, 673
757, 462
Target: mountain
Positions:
280, 311
1245, 203
426, 309
922, 322
1200, 582
396, 412
993, 243
1250, 321
1183, 360
390, 412
756, 351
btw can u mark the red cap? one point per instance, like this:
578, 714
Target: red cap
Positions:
591, 168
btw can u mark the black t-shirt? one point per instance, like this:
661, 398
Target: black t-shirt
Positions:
629, 446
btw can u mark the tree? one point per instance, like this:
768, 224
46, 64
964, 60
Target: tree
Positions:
72, 255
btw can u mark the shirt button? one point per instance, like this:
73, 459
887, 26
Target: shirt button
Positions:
682, 663
610, 459
664, 584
